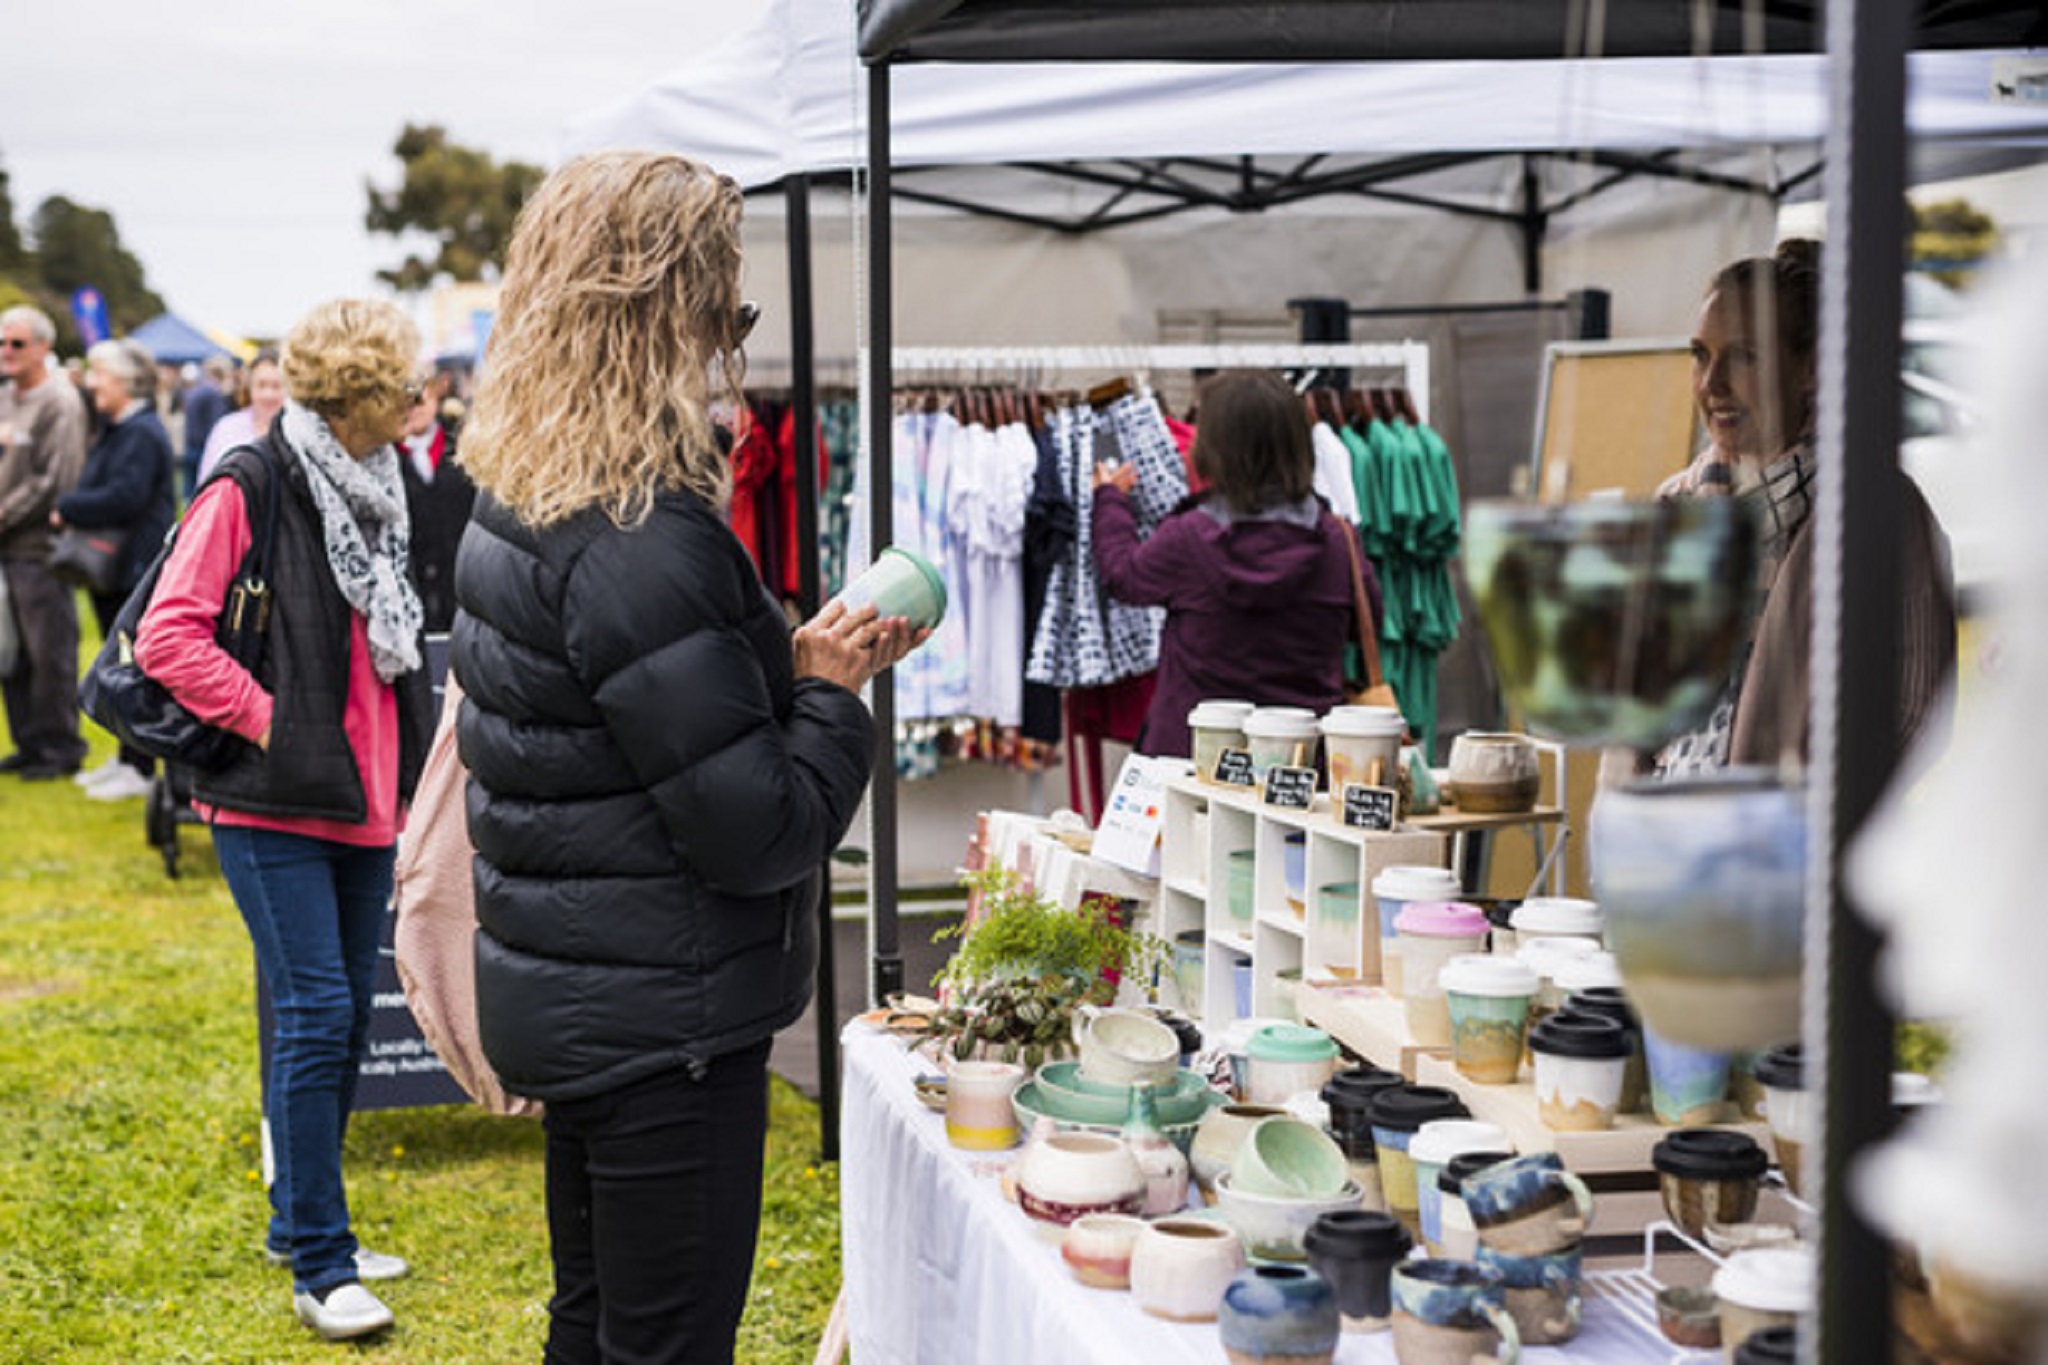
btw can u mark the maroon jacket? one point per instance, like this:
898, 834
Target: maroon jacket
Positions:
1257, 608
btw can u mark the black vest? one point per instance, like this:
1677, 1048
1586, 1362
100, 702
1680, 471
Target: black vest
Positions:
309, 771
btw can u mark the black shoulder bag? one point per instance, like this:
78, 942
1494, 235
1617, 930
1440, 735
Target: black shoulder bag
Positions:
139, 710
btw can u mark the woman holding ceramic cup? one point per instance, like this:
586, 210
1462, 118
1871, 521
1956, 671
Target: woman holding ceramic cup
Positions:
1253, 571
659, 767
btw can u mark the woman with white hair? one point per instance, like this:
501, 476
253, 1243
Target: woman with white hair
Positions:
128, 487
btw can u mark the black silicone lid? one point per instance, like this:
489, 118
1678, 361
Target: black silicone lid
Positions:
1769, 1346
1574, 1033
1451, 1179
1355, 1088
1782, 1068
1611, 1001
1404, 1108
1709, 1154
1364, 1232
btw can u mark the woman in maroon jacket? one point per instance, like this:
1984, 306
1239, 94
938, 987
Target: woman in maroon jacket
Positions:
1253, 571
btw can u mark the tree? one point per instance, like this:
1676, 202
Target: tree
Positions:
13, 255
78, 246
460, 198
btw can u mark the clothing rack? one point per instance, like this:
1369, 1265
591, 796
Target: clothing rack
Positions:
1410, 357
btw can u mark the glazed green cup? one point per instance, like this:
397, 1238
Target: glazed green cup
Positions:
899, 583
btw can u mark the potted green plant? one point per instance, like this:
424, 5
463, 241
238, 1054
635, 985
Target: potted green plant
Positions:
1027, 964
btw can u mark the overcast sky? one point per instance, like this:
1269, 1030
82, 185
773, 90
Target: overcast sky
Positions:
231, 141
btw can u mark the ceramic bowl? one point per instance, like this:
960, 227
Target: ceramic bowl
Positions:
1071, 1095
1611, 622
1689, 1315
1097, 1248
1031, 1106
1273, 1225
1283, 1157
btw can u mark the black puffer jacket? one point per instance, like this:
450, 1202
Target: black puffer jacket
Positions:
652, 794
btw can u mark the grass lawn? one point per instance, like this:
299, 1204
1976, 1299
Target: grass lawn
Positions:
131, 1204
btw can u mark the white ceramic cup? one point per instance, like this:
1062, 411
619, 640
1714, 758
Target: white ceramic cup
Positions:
979, 1115
1181, 1266
1123, 1047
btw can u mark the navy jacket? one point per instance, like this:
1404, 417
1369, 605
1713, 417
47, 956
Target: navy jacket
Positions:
126, 486
652, 795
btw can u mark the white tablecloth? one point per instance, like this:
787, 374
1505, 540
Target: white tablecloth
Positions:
940, 1269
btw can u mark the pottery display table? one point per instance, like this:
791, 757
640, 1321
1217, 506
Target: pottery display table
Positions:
940, 1268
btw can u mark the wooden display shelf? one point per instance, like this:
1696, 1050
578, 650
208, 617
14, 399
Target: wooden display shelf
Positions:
1451, 820
1374, 1024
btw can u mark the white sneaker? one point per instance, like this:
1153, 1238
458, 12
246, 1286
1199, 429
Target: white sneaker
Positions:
370, 1265
348, 1311
123, 784
98, 772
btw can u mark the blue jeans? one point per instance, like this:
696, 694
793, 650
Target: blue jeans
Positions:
315, 912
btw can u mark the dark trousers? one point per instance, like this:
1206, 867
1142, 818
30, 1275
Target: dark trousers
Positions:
42, 693
654, 1198
106, 606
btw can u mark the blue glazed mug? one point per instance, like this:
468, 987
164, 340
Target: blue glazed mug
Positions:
1543, 1292
1529, 1205
1452, 1313
1279, 1312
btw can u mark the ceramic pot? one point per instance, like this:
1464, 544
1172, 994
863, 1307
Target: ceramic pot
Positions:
1221, 1132
1181, 1266
1433, 1147
1432, 934
1702, 884
1397, 1113
1760, 1289
1492, 774
1063, 1176
1356, 1250
1273, 1225
1286, 1059
1543, 1293
1278, 1315
1214, 726
1120, 1047
1612, 623
1097, 1248
1707, 1177
1529, 1205
1456, 1236
1452, 1313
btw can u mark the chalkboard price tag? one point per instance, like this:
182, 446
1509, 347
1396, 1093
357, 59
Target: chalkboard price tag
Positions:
1369, 807
1294, 788
1234, 768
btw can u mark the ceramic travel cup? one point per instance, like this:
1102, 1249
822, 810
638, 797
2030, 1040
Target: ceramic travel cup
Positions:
1708, 1176
1770, 1346
1455, 1233
1392, 890
1278, 1315
1542, 1292
1362, 744
1528, 1205
1356, 1251
1702, 884
1612, 1002
1397, 1113
1347, 1098
1097, 1248
1432, 933
1294, 871
1190, 958
1215, 726
1432, 1148
1280, 736
1181, 1266
1782, 1073
1487, 999
899, 583
1452, 1313
979, 1115
1761, 1289
1687, 1084
1286, 1059
1239, 866
1557, 917
1581, 1060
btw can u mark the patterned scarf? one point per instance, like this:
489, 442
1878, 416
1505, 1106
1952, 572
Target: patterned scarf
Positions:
364, 521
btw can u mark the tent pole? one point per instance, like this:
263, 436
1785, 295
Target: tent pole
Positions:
1853, 749
803, 411
885, 960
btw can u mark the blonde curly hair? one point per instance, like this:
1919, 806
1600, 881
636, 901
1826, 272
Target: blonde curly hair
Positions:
352, 359
620, 302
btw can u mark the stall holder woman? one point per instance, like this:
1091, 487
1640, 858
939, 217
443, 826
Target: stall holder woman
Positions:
337, 718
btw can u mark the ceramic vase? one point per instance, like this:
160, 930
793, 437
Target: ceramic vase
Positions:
1702, 885
1165, 1167
1278, 1315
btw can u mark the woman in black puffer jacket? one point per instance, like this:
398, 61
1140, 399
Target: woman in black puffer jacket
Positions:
658, 767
